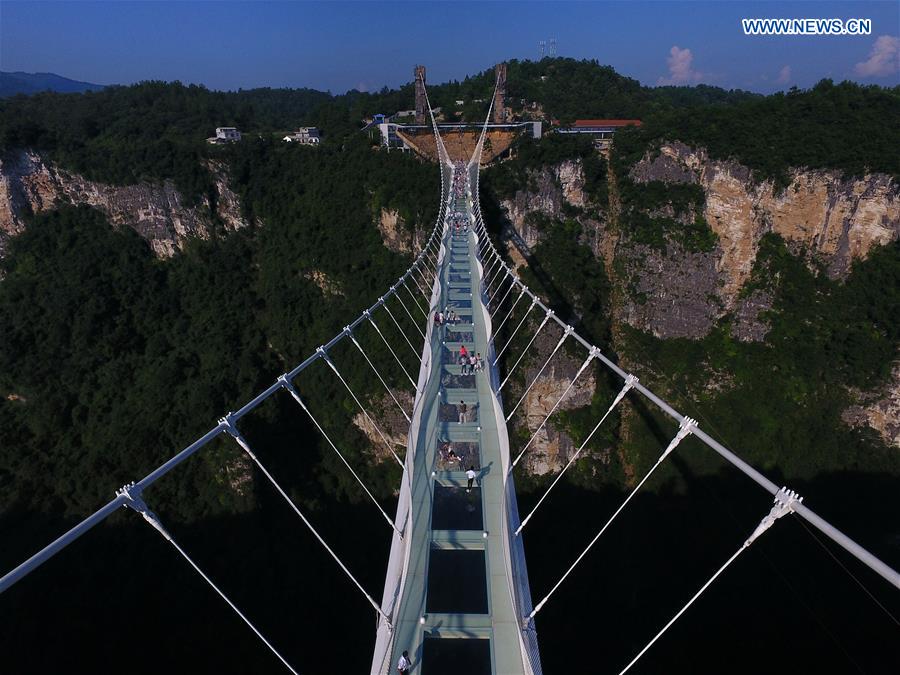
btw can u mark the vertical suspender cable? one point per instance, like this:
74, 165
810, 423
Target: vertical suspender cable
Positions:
136, 503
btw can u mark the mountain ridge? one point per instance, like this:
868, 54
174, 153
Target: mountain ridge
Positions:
20, 82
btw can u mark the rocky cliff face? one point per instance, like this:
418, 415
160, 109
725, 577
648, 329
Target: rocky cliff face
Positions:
29, 184
552, 447
835, 219
879, 409
391, 423
678, 293
561, 184
397, 236
671, 293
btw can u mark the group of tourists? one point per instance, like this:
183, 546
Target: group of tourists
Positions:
448, 316
459, 220
469, 363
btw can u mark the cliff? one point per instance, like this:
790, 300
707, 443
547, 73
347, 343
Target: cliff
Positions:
878, 409
832, 218
677, 290
397, 236
30, 184
552, 447
550, 189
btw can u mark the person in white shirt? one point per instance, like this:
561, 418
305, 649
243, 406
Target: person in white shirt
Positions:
404, 664
470, 474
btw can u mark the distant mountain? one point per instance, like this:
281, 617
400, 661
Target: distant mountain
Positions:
32, 83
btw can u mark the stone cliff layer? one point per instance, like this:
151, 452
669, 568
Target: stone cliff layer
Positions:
29, 184
834, 218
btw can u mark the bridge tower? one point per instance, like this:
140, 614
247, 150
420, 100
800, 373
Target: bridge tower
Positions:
421, 104
499, 114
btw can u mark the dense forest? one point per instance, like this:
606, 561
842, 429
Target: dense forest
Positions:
111, 360
843, 126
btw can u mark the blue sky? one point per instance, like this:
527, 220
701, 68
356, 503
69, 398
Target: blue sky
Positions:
339, 46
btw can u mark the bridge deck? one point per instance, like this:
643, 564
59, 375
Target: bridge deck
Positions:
458, 571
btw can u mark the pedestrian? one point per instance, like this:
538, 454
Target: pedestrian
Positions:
470, 474
473, 364
463, 365
404, 664
463, 352
440, 317
437, 318
463, 410
479, 364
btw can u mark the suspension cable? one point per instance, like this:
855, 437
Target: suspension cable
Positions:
427, 278
629, 383
233, 431
686, 428
511, 337
134, 500
495, 271
509, 313
402, 333
489, 275
392, 352
285, 382
419, 285
505, 295
527, 347
415, 299
492, 291
566, 333
375, 370
411, 318
584, 365
325, 357
785, 501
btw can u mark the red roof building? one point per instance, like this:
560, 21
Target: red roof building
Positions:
580, 124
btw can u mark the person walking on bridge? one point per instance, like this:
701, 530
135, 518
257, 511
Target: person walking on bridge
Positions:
470, 475
404, 664
463, 412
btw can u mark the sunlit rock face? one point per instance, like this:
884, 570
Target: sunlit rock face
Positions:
157, 211
552, 447
835, 219
825, 217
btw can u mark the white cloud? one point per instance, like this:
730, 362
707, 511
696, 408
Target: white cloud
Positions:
680, 70
784, 75
884, 59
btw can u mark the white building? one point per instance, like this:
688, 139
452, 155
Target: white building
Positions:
304, 136
225, 135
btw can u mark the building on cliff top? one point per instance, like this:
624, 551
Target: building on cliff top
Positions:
304, 136
225, 135
602, 130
